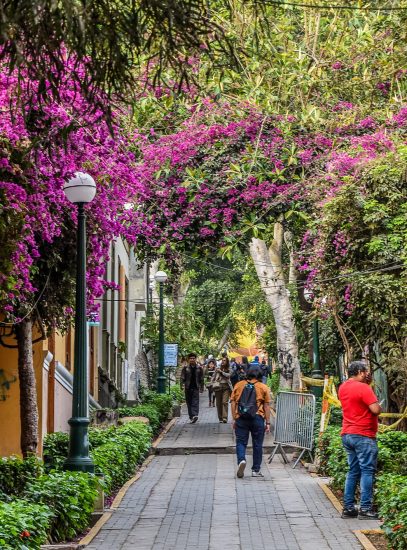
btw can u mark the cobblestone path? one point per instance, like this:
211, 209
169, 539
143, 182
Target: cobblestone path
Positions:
195, 501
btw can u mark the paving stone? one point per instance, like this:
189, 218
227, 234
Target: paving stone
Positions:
195, 501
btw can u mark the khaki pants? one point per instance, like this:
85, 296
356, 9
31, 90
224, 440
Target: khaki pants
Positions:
222, 400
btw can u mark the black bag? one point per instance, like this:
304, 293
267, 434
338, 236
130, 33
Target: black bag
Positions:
247, 405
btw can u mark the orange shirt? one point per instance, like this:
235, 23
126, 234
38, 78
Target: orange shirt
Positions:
262, 395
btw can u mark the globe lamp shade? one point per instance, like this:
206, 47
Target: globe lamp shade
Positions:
80, 188
161, 277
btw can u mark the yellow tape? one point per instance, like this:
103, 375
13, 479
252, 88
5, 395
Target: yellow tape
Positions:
312, 381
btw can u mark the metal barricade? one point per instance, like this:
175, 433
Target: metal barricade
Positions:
294, 424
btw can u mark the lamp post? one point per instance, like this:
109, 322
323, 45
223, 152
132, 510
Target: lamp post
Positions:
150, 295
79, 190
316, 365
161, 277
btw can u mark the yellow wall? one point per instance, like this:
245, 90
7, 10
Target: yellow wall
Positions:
10, 407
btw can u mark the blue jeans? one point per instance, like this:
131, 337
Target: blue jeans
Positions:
362, 460
244, 427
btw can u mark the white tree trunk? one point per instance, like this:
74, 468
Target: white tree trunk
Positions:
267, 262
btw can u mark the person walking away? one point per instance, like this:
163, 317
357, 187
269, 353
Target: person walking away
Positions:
209, 372
223, 388
192, 380
255, 362
360, 410
250, 403
245, 363
234, 372
265, 371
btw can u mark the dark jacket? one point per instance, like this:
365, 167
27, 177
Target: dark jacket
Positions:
185, 379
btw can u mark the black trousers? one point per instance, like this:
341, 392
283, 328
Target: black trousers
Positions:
192, 399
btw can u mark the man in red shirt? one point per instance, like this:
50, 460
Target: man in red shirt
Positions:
359, 428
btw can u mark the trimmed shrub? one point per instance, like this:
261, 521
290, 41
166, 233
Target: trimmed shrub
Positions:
391, 495
55, 450
392, 452
118, 458
23, 525
71, 497
16, 472
177, 394
333, 460
148, 411
162, 402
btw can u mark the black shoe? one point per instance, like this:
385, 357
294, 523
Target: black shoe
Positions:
368, 514
349, 513
194, 419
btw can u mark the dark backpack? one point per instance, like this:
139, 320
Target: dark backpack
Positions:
247, 405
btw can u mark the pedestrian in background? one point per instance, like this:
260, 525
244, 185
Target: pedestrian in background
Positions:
192, 380
223, 388
250, 404
360, 409
209, 372
265, 371
245, 363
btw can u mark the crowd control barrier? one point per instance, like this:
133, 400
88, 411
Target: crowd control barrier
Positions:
294, 424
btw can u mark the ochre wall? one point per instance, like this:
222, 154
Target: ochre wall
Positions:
10, 406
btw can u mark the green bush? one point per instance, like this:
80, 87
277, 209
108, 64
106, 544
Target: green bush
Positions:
162, 402
392, 452
23, 525
274, 382
16, 472
55, 450
71, 497
148, 411
391, 496
118, 458
333, 460
100, 435
177, 393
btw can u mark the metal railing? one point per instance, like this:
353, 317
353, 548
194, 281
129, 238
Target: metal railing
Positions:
294, 424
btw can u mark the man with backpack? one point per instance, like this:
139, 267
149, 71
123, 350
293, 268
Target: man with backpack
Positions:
250, 402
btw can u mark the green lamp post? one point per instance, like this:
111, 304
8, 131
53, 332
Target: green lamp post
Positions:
316, 365
80, 190
161, 278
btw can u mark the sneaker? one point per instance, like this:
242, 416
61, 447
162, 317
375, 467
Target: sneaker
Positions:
240, 468
349, 513
257, 474
225, 421
368, 514
194, 419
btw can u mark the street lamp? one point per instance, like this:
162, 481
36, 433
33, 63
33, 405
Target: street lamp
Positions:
150, 301
80, 190
316, 365
161, 277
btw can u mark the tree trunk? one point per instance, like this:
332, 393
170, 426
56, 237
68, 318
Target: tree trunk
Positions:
224, 338
28, 390
270, 272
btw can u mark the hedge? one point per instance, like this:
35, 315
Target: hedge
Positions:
57, 505
23, 525
70, 496
391, 486
148, 411
118, 458
391, 496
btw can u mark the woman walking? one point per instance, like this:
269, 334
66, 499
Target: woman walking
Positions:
223, 388
210, 371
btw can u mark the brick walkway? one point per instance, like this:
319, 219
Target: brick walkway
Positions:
195, 501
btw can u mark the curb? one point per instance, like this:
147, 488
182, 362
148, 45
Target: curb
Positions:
87, 539
94, 531
365, 542
334, 500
